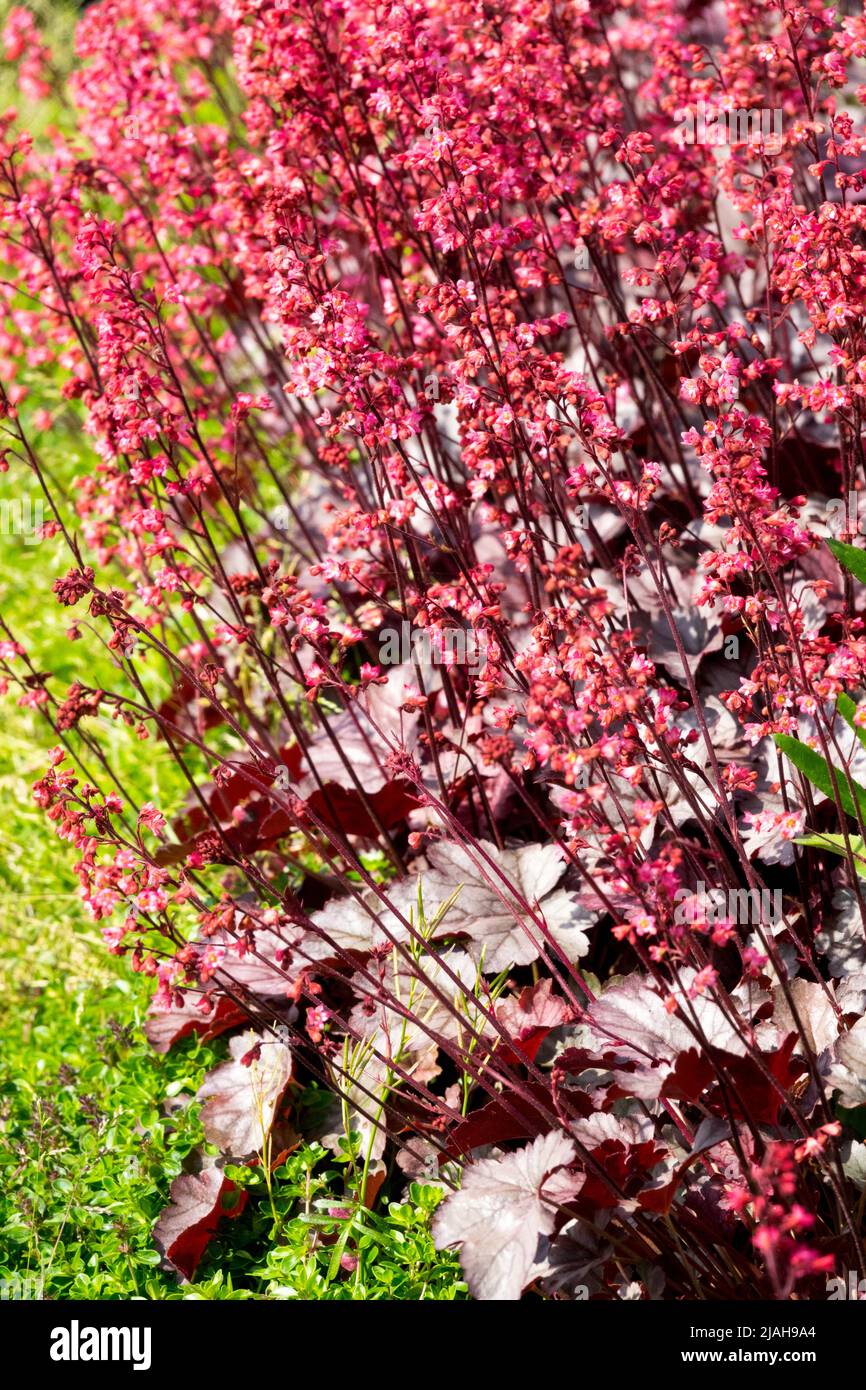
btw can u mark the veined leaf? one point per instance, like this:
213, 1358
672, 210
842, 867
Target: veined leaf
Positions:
851, 558
503, 1207
822, 775
242, 1095
836, 845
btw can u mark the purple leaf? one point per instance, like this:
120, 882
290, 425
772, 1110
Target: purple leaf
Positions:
241, 1095
501, 1211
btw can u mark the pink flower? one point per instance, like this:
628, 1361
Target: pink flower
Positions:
152, 818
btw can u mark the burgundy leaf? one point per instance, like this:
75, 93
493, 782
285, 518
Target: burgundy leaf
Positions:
529, 1016
166, 1026
499, 1120
197, 1202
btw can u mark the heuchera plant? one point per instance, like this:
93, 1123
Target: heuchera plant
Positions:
461, 319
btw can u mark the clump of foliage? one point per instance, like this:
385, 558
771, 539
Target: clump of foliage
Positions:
89, 1153
90, 1146
454, 321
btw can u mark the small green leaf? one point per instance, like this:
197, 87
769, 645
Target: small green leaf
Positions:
851, 558
339, 1249
822, 775
148, 1257
174, 1088
836, 845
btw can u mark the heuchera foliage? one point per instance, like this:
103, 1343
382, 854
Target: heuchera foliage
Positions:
452, 315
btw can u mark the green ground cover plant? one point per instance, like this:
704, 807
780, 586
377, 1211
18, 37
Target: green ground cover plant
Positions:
94, 1126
